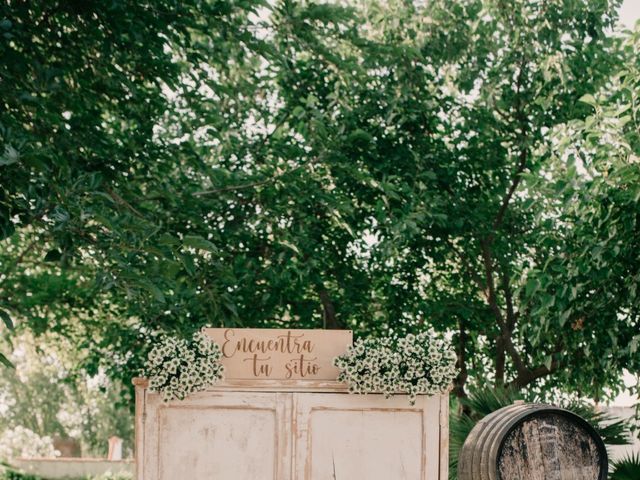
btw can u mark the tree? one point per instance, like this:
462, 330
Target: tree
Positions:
587, 283
373, 167
84, 87
45, 397
525, 72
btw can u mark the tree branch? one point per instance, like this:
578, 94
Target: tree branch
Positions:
524, 152
525, 378
515, 182
231, 188
121, 201
328, 309
461, 379
504, 342
491, 288
508, 297
500, 360
505, 335
466, 262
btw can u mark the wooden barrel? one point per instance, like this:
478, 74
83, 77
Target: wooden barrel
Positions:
532, 442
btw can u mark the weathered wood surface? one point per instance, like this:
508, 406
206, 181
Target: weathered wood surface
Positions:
533, 442
280, 354
366, 437
549, 447
312, 430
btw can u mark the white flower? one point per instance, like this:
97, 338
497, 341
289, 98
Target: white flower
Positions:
415, 365
177, 367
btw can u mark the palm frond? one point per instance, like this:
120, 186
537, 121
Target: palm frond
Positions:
612, 429
484, 401
459, 428
628, 468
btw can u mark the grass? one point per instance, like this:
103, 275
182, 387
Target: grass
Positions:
9, 473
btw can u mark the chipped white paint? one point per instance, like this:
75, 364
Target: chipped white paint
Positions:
301, 430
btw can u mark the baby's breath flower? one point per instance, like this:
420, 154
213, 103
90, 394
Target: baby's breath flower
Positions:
421, 364
177, 367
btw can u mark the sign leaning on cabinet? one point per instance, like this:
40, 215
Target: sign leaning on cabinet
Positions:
281, 414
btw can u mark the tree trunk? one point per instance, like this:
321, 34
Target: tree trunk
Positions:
500, 361
328, 310
460, 381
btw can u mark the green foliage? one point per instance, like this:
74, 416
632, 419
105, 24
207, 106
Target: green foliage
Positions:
111, 476
612, 430
470, 164
45, 395
471, 410
627, 468
7, 473
14, 475
459, 428
10, 474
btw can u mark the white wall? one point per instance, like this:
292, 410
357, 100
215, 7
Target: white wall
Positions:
72, 467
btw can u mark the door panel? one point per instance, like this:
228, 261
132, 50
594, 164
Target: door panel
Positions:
231, 436
343, 436
217, 443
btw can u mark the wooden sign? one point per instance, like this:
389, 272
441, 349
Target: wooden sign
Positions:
280, 354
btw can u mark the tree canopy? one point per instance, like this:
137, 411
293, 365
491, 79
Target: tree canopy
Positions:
470, 164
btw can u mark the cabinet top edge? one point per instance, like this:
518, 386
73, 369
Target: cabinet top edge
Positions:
244, 385
265, 385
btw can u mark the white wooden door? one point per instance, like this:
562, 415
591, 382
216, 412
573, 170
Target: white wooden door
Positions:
218, 436
346, 437
225, 434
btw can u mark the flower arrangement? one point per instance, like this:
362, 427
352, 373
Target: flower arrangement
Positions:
413, 365
178, 367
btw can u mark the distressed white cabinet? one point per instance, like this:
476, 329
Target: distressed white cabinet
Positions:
306, 430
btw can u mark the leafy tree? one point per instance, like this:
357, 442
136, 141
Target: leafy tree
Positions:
584, 287
374, 167
45, 397
487, 221
85, 88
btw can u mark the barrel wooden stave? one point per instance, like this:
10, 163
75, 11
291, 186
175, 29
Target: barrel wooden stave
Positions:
561, 445
476, 461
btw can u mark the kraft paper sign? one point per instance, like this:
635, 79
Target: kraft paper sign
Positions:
280, 354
